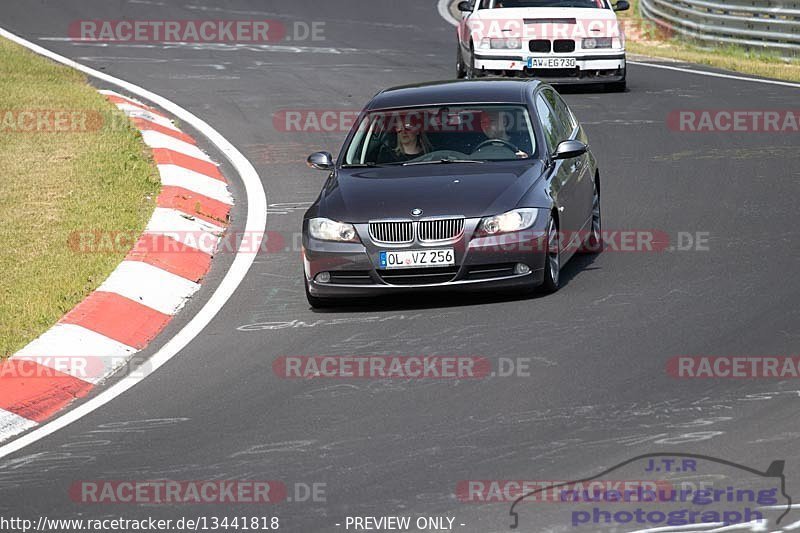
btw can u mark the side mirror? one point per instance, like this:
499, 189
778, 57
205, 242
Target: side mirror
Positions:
320, 161
622, 5
465, 7
570, 149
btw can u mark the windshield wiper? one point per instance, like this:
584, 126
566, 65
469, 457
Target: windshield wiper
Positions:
442, 161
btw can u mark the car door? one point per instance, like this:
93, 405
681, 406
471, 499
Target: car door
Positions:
563, 186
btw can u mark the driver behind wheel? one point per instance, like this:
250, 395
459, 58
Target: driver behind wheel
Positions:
502, 127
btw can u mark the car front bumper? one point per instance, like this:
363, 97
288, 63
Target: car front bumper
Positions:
596, 68
481, 263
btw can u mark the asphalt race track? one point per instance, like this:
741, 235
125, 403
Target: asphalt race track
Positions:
597, 392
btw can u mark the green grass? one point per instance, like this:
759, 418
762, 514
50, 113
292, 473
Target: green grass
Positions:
729, 57
53, 184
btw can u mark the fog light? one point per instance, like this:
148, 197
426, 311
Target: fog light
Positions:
323, 277
521, 268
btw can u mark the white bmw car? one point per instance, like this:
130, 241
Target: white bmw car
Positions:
558, 41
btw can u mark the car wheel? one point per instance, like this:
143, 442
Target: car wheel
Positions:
594, 242
470, 70
618, 86
461, 72
552, 261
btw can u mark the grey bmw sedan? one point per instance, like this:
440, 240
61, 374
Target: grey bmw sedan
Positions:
480, 184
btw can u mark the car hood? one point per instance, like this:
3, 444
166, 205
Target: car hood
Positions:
492, 22
471, 190
510, 13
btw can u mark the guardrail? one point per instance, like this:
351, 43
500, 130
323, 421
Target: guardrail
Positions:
767, 24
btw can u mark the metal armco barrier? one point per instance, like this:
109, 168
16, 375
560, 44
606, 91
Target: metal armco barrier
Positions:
768, 24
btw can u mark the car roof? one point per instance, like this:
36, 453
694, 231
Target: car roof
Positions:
499, 90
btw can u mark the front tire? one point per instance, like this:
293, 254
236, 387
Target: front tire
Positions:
461, 71
470, 68
594, 242
618, 86
552, 261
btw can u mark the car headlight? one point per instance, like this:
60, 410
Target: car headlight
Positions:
516, 220
592, 43
512, 43
326, 229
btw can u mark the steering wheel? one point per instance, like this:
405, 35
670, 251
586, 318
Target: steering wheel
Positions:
502, 142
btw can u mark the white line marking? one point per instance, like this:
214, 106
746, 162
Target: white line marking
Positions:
13, 424
444, 11
151, 286
89, 368
77, 351
137, 112
107, 92
221, 46
255, 224
717, 74
780, 507
175, 176
196, 233
167, 220
156, 139
72, 340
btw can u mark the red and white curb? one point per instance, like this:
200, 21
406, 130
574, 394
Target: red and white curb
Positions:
140, 297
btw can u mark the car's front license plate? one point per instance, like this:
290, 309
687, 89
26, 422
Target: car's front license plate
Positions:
551, 62
418, 258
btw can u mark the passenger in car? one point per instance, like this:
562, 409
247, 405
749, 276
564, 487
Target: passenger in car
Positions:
411, 144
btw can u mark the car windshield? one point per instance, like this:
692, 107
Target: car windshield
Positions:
549, 3
442, 134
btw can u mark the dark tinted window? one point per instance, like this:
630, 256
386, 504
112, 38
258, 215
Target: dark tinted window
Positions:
553, 3
550, 123
565, 118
